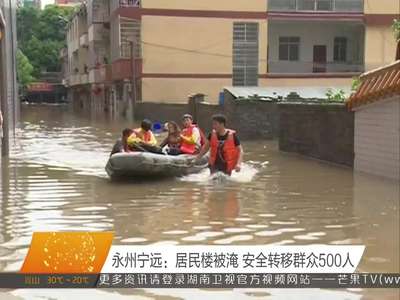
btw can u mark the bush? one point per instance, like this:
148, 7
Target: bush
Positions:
396, 28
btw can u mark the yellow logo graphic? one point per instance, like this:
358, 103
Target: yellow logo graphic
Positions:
67, 252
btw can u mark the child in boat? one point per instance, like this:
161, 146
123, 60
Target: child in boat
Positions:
173, 141
126, 133
142, 139
121, 145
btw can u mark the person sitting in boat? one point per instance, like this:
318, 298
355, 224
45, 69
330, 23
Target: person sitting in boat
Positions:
191, 136
126, 133
143, 139
121, 145
226, 151
172, 143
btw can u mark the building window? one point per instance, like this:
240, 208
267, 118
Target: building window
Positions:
324, 5
245, 54
340, 49
314, 5
289, 48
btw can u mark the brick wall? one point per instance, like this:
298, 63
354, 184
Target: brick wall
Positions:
160, 112
322, 131
253, 119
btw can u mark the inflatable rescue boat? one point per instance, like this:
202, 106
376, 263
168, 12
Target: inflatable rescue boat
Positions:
146, 164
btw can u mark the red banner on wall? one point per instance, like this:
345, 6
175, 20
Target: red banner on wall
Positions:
40, 87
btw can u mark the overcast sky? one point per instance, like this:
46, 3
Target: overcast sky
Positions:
45, 2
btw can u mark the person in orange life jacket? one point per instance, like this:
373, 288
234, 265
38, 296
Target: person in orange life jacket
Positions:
190, 136
142, 139
226, 151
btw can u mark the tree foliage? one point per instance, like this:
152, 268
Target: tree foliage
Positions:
41, 35
355, 84
396, 28
336, 95
24, 70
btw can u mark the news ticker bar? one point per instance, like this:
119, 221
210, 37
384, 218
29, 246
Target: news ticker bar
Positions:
200, 280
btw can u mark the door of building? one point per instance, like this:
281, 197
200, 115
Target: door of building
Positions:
319, 59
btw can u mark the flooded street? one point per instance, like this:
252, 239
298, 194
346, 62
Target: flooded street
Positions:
55, 181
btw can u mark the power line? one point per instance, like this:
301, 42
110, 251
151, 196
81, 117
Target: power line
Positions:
186, 50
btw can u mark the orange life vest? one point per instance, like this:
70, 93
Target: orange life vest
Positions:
186, 147
146, 134
202, 135
229, 151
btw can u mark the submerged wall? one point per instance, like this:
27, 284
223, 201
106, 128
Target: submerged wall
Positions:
322, 131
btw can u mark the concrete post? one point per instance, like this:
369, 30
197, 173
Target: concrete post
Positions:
193, 101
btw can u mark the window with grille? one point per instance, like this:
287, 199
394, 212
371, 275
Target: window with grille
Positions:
245, 54
340, 49
289, 48
324, 5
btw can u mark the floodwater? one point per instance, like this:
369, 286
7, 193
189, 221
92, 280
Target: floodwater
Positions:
55, 180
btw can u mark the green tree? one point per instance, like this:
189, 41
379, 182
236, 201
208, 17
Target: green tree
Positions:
24, 70
43, 55
52, 23
27, 24
41, 35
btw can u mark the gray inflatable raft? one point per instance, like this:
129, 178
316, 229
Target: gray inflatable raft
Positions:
145, 164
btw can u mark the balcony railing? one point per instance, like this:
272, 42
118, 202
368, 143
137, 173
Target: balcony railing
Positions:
101, 16
97, 32
83, 40
124, 3
126, 50
301, 67
63, 52
84, 79
74, 45
101, 74
74, 80
316, 5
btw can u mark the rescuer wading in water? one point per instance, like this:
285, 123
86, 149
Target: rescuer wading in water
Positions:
226, 151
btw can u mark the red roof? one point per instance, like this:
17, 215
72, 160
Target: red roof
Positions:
377, 85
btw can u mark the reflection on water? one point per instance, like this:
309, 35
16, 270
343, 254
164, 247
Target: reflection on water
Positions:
55, 180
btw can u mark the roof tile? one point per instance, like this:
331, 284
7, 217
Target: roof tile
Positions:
376, 85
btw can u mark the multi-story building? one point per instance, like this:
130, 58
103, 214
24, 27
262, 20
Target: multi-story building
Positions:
183, 47
31, 3
9, 103
68, 2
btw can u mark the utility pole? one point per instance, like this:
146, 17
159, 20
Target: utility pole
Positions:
131, 104
133, 61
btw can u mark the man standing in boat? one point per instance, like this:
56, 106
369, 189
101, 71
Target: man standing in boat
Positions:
226, 151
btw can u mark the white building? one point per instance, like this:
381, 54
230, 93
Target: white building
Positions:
377, 122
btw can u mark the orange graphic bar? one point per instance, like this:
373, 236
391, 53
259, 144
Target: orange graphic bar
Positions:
67, 252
